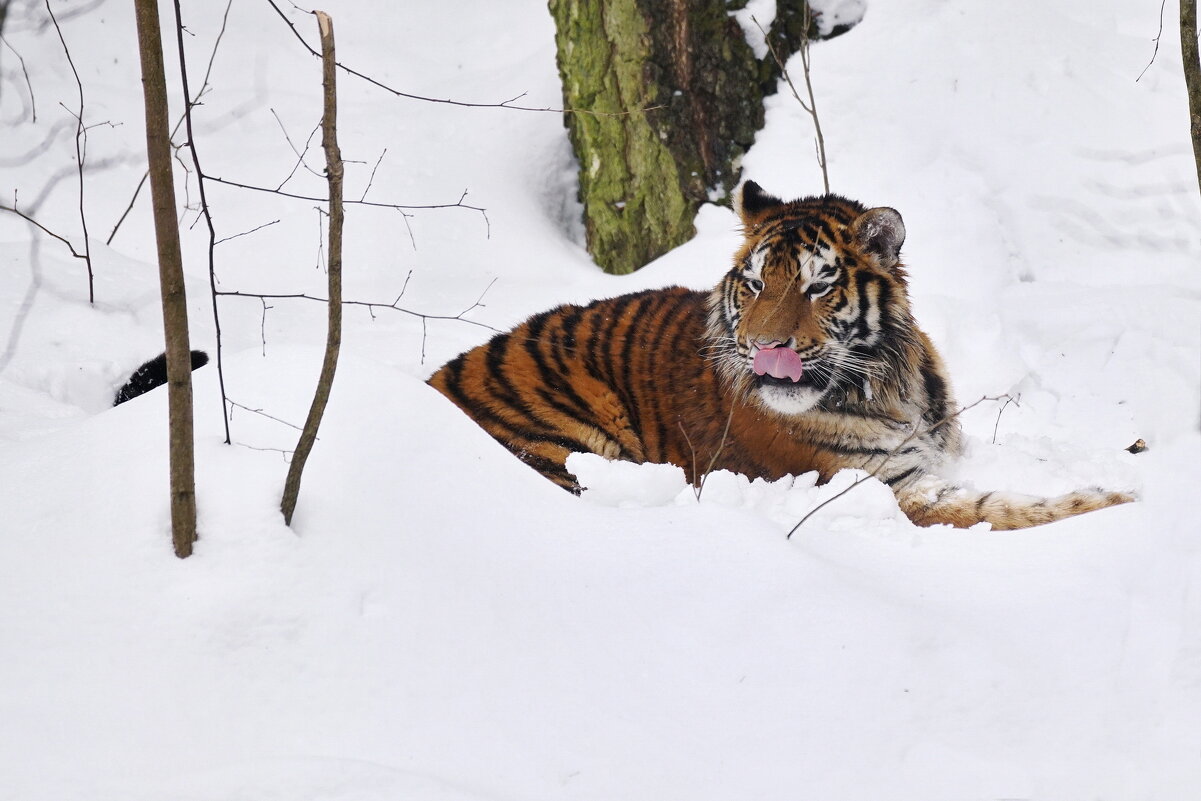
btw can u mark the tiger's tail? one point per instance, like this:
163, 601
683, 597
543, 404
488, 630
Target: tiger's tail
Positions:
932, 501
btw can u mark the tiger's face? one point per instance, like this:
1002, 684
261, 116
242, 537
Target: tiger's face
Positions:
814, 304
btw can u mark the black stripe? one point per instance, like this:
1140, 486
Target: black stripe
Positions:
549, 469
816, 227
936, 391
558, 383
677, 321
537, 431
569, 325
480, 413
504, 389
624, 386
852, 450
861, 283
612, 310
898, 478
592, 314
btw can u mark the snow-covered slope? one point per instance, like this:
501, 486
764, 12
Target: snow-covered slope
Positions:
443, 624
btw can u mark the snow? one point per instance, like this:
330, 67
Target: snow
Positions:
443, 624
755, 18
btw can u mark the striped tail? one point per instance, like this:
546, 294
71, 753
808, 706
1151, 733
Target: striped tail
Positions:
932, 501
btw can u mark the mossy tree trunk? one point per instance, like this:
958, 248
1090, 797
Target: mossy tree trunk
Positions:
643, 175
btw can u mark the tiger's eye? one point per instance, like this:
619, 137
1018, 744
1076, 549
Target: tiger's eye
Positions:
818, 289
755, 285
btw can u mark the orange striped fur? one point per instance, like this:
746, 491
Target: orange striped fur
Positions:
805, 357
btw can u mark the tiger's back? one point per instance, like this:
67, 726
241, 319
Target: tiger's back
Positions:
804, 358
607, 378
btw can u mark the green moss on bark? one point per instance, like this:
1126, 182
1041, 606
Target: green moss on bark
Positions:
644, 174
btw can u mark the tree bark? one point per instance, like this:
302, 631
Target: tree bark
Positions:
171, 280
1192, 75
644, 173
333, 341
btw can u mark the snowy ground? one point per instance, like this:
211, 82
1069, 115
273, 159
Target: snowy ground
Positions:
443, 624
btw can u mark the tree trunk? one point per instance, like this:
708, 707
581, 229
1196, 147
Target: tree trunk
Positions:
1192, 75
644, 174
334, 171
170, 266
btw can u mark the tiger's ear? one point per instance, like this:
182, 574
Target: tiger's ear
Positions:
880, 232
750, 201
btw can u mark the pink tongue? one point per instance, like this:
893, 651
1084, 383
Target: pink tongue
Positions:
781, 362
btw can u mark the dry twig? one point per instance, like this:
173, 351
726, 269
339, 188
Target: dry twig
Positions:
204, 206
14, 210
1016, 401
81, 148
33, 101
1155, 52
811, 107
699, 481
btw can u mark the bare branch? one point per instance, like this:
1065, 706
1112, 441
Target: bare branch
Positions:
81, 139
204, 206
300, 162
247, 233
1155, 52
13, 210
371, 179
261, 413
33, 101
204, 89
371, 306
457, 205
506, 104
811, 108
1008, 400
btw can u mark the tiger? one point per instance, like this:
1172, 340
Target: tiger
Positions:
805, 357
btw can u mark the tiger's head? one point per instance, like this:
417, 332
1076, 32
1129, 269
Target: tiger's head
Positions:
815, 310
